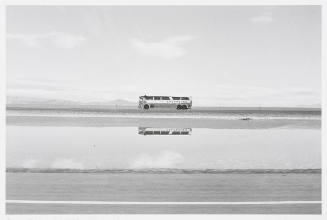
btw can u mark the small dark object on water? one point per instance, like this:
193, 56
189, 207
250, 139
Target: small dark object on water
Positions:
246, 118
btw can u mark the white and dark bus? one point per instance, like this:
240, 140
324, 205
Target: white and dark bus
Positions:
164, 131
178, 102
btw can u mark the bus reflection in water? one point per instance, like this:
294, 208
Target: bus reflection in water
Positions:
164, 131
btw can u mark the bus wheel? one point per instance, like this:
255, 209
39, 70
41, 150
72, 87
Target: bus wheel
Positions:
146, 107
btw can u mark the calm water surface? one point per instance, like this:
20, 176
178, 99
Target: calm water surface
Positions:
129, 148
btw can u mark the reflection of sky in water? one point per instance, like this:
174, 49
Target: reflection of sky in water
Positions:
123, 147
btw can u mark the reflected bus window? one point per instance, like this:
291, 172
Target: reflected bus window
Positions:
164, 131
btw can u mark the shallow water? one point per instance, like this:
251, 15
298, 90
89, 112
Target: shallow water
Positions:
128, 148
148, 144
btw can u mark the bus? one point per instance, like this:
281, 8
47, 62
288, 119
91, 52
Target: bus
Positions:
164, 131
178, 102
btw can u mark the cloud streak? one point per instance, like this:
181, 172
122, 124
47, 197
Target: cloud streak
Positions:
53, 39
30, 163
66, 163
169, 48
165, 159
262, 19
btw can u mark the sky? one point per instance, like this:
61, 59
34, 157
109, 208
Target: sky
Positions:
219, 55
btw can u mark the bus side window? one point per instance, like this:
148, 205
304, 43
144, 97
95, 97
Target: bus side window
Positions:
165, 98
149, 97
157, 98
185, 98
164, 132
176, 98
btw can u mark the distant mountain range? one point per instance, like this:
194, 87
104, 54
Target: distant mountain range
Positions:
42, 102
317, 105
121, 102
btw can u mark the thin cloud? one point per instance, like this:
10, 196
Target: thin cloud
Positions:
262, 19
54, 39
166, 159
66, 163
169, 48
30, 163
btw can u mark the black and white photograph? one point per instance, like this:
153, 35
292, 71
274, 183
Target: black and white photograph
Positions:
163, 109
